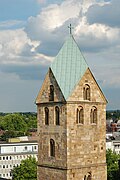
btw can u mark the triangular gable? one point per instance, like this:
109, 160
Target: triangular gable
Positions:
43, 95
69, 66
97, 86
96, 92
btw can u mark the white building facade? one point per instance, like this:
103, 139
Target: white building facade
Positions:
11, 155
113, 145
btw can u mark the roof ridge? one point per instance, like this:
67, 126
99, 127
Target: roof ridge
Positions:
69, 66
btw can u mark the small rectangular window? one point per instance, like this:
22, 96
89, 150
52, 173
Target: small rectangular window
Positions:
51, 94
25, 147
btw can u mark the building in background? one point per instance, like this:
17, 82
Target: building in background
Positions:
71, 120
13, 151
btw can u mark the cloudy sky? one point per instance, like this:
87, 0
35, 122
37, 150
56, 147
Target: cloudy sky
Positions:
33, 31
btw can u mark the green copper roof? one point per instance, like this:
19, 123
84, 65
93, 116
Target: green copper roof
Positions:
68, 66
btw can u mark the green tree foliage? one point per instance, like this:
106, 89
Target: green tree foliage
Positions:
26, 171
17, 123
115, 115
13, 122
112, 165
11, 134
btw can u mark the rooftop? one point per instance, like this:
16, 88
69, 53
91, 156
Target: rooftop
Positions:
69, 66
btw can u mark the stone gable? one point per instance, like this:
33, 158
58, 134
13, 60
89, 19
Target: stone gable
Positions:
43, 95
96, 93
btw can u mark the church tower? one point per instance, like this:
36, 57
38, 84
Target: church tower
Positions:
71, 112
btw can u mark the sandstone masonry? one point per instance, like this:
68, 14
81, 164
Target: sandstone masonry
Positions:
78, 151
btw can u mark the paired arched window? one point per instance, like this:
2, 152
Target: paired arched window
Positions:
46, 116
52, 148
93, 115
86, 92
80, 115
57, 115
51, 95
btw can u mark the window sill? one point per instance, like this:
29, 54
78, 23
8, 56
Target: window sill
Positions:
80, 124
93, 124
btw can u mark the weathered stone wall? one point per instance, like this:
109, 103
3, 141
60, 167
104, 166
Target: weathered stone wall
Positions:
97, 173
51, 131
86, 146
43, 95
95, 91
79, 148
85, 142
51, 174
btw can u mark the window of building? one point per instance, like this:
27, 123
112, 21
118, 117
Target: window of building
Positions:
3, 158
73, 175
46, 116
89, 176
93, 115
25, 148
57, 115
35, 147
86, 92
3, 166
51, 95
80, 115
14, 149
52, 148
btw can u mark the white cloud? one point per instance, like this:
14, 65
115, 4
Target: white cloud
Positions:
10, 23
18, 55
13, 43
26, 53
45, 33
108, 13
55, 15
51, 24
96, 36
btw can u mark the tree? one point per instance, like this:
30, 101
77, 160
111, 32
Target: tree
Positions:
13, 122
11, 134
112, 165
27, 170
18, 121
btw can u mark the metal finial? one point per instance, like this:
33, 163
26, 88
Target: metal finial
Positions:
70, 27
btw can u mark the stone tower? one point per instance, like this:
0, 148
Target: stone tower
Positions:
71, 112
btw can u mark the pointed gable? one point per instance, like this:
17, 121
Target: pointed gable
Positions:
96, 94
43, 95
69, 66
